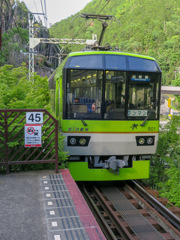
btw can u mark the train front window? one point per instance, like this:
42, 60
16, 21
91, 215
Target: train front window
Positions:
84, 94
115, 95
111, 94
143, 96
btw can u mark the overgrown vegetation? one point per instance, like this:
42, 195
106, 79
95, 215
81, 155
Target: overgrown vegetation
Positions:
17, 92
165, 167
14, 44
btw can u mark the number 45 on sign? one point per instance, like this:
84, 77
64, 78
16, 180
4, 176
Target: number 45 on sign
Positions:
34, 117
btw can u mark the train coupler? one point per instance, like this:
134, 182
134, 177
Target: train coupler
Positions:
114, 164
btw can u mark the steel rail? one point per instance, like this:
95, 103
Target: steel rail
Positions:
110, 221
171, 217
101, 221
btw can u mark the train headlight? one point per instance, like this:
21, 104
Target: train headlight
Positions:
73, 141
150, 140
145, 140
141, 141
82, 141
78, 141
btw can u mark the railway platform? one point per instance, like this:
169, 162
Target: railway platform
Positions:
42, 205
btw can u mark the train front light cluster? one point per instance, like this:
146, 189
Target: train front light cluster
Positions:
82, 141
73, 141
78, 141
145, 140
141, 141
150, 140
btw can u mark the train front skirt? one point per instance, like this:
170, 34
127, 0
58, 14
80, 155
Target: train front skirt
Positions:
81, 172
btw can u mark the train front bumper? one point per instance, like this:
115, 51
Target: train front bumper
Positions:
81, 172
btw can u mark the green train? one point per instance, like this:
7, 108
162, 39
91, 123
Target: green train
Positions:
108, 107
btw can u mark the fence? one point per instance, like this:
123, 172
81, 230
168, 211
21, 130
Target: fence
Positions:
13, 137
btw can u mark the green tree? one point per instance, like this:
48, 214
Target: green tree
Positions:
18, 92
165, 164
13, 42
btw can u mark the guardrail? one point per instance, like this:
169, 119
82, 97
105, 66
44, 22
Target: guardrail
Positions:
13, 131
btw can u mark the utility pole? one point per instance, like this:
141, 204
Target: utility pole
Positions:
32, 43
31, 48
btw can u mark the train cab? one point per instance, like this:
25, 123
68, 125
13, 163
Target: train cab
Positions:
109, 112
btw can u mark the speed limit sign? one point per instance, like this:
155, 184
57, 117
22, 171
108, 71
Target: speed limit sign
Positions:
34, 117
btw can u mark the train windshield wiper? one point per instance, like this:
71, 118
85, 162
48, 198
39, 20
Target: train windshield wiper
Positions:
85, 124
148, 115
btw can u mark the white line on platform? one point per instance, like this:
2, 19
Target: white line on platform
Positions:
54, 224
52, 213
57, 237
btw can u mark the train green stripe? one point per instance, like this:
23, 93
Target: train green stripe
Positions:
110, 53
109, 126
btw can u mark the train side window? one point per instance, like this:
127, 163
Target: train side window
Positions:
52, 91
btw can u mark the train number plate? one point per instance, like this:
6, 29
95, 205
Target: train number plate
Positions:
136, 113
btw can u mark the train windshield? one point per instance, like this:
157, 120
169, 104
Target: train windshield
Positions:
84, 94
115, 85
111, 95
143, 95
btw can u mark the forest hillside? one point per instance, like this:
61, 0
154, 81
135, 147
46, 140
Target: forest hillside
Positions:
146, 27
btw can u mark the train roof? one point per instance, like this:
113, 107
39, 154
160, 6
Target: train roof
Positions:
109, 60
109, 53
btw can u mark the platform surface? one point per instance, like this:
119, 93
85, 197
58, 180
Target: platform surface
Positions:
40, 205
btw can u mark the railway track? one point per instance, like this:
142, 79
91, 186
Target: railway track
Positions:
124, 210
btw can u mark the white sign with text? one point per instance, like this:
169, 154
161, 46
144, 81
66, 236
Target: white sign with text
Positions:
32, 135
34, 117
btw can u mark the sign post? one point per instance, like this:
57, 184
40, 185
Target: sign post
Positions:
33, 129
32, 135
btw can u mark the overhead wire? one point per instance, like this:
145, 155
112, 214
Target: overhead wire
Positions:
35, 5
45, 13
42, 9
104, 6
99, 12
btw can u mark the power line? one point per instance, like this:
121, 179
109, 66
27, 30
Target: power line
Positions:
104, 6
99, 12
45, 13
42, 7
35, 5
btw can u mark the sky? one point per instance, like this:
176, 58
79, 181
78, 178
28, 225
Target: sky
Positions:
56, 9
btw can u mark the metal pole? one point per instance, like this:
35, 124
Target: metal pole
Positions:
56, 145
6, 141
31, 49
